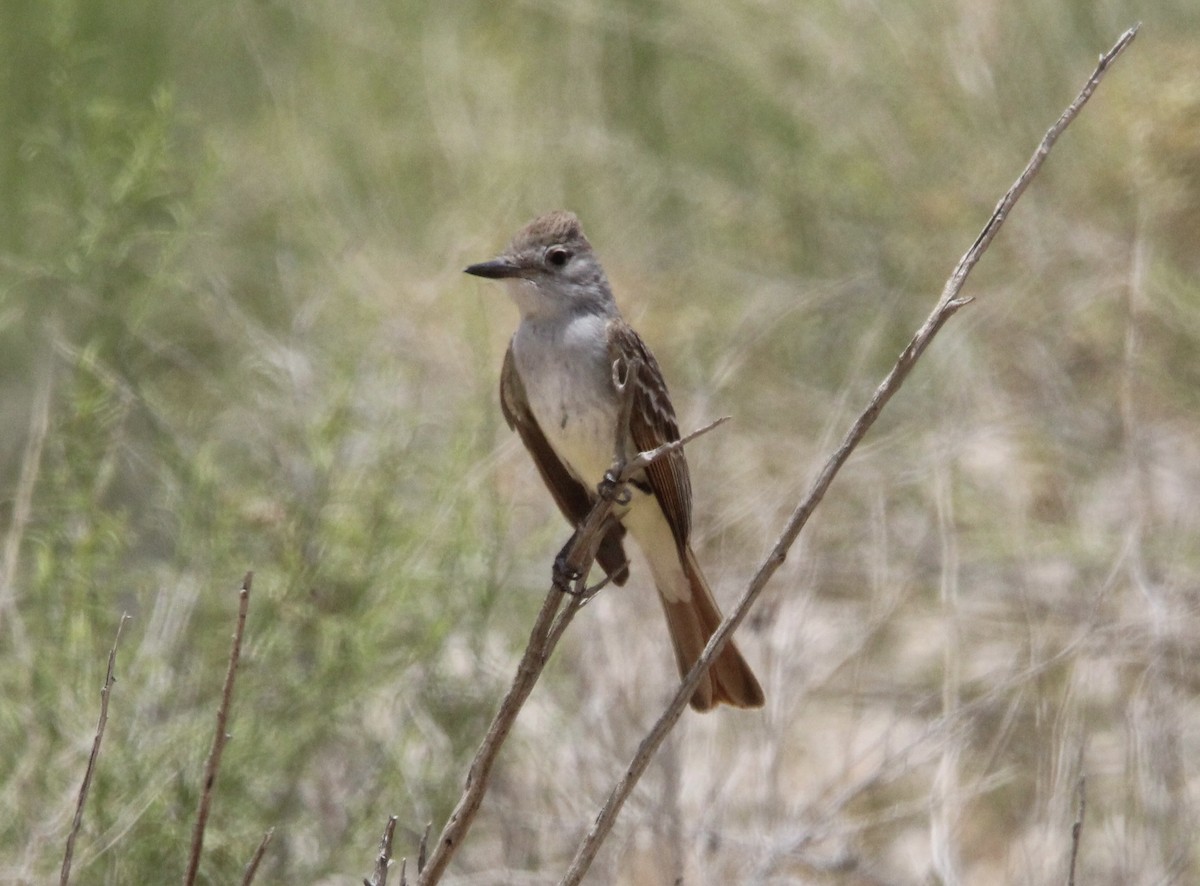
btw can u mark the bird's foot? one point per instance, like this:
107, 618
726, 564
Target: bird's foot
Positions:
564, 576
611, 488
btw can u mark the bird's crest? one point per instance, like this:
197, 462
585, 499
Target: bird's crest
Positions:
552, 228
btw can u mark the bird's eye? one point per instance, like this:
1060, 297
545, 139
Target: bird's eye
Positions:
557, 256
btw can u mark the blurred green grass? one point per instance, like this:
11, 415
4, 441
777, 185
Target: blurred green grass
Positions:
229, 284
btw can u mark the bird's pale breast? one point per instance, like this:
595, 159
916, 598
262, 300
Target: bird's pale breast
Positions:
565, 370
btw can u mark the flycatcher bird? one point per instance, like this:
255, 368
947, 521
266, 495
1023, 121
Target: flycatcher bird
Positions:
557, 392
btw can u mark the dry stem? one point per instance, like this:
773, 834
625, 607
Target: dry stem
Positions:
256, 860
423, 847
948, 303
109, 679
1077, 828
220, 738
537, 651
385, 856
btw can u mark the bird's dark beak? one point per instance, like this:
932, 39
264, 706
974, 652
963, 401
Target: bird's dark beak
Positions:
496, 269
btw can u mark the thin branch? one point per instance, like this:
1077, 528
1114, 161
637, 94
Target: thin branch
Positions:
422, 848
252, 867
109, 679
577, 602
644, 459
385, 856
1077, 828
220, 738
537, 651
1000, 213
947, 305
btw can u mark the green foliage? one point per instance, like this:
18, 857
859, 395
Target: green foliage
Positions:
229, 292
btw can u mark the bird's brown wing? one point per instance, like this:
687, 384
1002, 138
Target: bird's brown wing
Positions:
573, 498
651, 424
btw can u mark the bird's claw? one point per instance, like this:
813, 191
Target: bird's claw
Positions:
564, 576
612, 489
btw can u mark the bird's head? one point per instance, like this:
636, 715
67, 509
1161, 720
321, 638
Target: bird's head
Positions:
550, 269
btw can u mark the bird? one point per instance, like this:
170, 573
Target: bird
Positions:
558, 392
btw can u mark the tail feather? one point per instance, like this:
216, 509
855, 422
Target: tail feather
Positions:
692, 622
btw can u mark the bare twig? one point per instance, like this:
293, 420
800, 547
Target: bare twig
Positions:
1077, 827
385, 856
948, 303
643, 459
220, 738
109, 679
252, 867
577, 602
537, 651
423, 847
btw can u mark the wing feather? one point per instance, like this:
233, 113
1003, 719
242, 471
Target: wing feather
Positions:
652, 423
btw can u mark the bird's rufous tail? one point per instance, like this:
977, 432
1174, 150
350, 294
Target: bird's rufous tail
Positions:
691, 623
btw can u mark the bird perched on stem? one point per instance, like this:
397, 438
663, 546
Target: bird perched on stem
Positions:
557, 390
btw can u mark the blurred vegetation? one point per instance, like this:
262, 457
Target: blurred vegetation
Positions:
233, 335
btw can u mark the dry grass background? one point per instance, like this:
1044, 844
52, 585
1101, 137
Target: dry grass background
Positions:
236, 335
